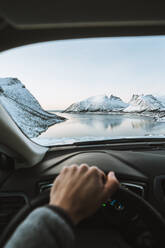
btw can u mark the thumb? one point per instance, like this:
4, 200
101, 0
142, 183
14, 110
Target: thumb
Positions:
111, 185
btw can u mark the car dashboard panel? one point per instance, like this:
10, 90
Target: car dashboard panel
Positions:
139, 171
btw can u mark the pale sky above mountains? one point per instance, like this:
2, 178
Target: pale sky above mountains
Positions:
60, 73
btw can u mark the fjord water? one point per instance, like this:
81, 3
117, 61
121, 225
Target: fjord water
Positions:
86, 126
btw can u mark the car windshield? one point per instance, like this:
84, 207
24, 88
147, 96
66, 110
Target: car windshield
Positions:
62, 92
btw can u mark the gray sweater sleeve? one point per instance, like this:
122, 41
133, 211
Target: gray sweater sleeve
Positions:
42, 228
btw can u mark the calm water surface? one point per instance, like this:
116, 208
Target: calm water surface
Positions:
103, 125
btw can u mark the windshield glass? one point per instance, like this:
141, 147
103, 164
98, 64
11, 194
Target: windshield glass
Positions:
88, 89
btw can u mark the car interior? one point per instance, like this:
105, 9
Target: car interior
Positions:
27, 170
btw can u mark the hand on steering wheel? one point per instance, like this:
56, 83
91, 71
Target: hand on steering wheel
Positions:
101, 187
80, 190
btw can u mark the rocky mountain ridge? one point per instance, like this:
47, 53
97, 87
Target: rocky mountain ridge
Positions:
103, 103
100, 103
24, 109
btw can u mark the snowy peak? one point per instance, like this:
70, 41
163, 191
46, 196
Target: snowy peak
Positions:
24, 108
134, 98
9, 81
16, 91
141, 103
112, 97
104, 103
98, 103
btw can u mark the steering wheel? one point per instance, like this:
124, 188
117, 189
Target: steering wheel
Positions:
152, 218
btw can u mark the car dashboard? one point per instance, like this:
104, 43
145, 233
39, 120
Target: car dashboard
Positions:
140, 169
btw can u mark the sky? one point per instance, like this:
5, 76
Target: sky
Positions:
60, 73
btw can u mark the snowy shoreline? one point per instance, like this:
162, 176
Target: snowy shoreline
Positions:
157, 116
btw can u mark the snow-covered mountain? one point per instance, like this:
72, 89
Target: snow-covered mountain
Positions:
147, 103
98, 103
24, 108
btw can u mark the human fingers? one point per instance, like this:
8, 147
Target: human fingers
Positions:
111, 185
97, 173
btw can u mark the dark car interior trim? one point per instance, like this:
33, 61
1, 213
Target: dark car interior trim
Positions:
27, 22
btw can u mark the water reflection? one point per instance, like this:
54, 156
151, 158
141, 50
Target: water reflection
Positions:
151, 126
104, 125
145, 124
104, 121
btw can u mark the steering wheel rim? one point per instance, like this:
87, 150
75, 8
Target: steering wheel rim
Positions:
149, 214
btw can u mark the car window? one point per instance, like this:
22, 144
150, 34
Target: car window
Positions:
62, 92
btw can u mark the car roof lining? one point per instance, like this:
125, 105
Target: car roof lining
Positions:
26, 22
29, 13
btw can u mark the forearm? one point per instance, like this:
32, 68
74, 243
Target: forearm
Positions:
43, 228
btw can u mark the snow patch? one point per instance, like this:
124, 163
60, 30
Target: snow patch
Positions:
71, 140
67, 140
141, 103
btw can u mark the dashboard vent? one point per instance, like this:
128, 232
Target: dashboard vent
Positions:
163, 186
45, 185
10, 204
159, 188
136, 188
